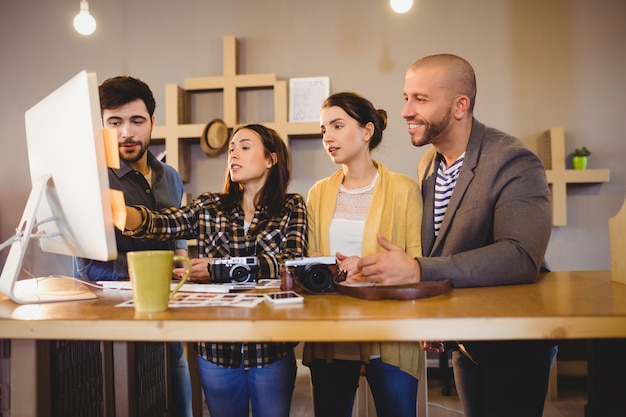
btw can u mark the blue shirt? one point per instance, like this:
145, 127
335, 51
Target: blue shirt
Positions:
166, 191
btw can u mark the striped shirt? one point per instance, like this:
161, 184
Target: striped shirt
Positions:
220, 234
446, 180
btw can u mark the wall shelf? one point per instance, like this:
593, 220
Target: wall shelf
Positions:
178, 133
550, 147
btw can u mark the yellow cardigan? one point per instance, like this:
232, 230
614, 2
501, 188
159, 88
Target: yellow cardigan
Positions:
396, 212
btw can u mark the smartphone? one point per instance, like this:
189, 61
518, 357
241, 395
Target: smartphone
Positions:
284, 297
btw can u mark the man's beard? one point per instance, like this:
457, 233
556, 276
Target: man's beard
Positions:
131, 158
434, 129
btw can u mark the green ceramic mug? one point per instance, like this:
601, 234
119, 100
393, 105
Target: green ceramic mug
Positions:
150, 274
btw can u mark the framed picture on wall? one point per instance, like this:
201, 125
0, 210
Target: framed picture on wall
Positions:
306, 96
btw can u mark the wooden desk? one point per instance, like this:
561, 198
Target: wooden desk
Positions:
562, 305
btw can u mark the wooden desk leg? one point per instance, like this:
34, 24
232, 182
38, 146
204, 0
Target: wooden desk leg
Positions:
123, 358
606, 382
30, 378
422, 390
108, 378
197, 398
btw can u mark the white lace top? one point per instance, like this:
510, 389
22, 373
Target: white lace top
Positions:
346, 228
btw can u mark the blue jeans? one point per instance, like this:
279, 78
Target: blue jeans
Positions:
229, 392
503, 378
181, 381
335, 384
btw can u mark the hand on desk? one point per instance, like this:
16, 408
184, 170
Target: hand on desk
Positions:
390, 268
199, 271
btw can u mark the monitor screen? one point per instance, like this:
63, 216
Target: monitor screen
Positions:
69, 208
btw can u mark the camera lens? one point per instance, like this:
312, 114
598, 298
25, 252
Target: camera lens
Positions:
317, 278
240, 273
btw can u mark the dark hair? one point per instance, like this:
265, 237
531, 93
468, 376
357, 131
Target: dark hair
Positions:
362, 110
117, 91
274, 192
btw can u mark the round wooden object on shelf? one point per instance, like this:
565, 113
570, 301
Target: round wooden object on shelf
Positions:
214, 137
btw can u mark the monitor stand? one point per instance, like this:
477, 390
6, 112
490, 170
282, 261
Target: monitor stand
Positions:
36, 290
53, 288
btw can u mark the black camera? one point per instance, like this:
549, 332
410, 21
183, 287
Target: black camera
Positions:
235, 270
313, 275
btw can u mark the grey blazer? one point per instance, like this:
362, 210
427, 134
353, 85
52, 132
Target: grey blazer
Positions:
498, 222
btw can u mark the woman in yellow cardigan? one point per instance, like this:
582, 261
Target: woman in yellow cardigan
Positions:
345, 212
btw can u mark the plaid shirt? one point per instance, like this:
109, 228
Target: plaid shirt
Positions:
220, 234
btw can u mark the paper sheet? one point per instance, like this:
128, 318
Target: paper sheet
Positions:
111, 148
209, 300
306, 96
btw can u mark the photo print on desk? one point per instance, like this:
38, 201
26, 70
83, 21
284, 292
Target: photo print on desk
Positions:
208, 300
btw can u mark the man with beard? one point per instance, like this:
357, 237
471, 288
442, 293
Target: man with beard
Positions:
127, 105
487, 221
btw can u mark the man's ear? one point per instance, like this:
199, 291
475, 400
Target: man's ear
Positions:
461, 106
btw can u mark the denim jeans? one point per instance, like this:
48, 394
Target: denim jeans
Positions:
229, 392
181, 381
335, 384
503, 378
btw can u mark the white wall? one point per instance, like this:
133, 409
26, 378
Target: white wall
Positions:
539, 64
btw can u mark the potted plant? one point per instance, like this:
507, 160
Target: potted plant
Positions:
579, 160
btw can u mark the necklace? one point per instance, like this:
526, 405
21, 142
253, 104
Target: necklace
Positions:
361, 190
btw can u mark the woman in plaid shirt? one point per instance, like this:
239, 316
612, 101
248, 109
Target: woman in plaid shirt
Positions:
253, 216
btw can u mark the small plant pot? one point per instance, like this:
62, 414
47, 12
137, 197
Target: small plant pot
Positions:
579, 162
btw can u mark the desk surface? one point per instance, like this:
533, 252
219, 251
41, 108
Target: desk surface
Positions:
562, 305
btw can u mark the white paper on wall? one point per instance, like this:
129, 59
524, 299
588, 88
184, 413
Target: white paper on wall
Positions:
306, 96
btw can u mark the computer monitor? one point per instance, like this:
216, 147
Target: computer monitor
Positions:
69, 208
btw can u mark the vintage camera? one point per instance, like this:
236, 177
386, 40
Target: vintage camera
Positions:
313, 275
235, 270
